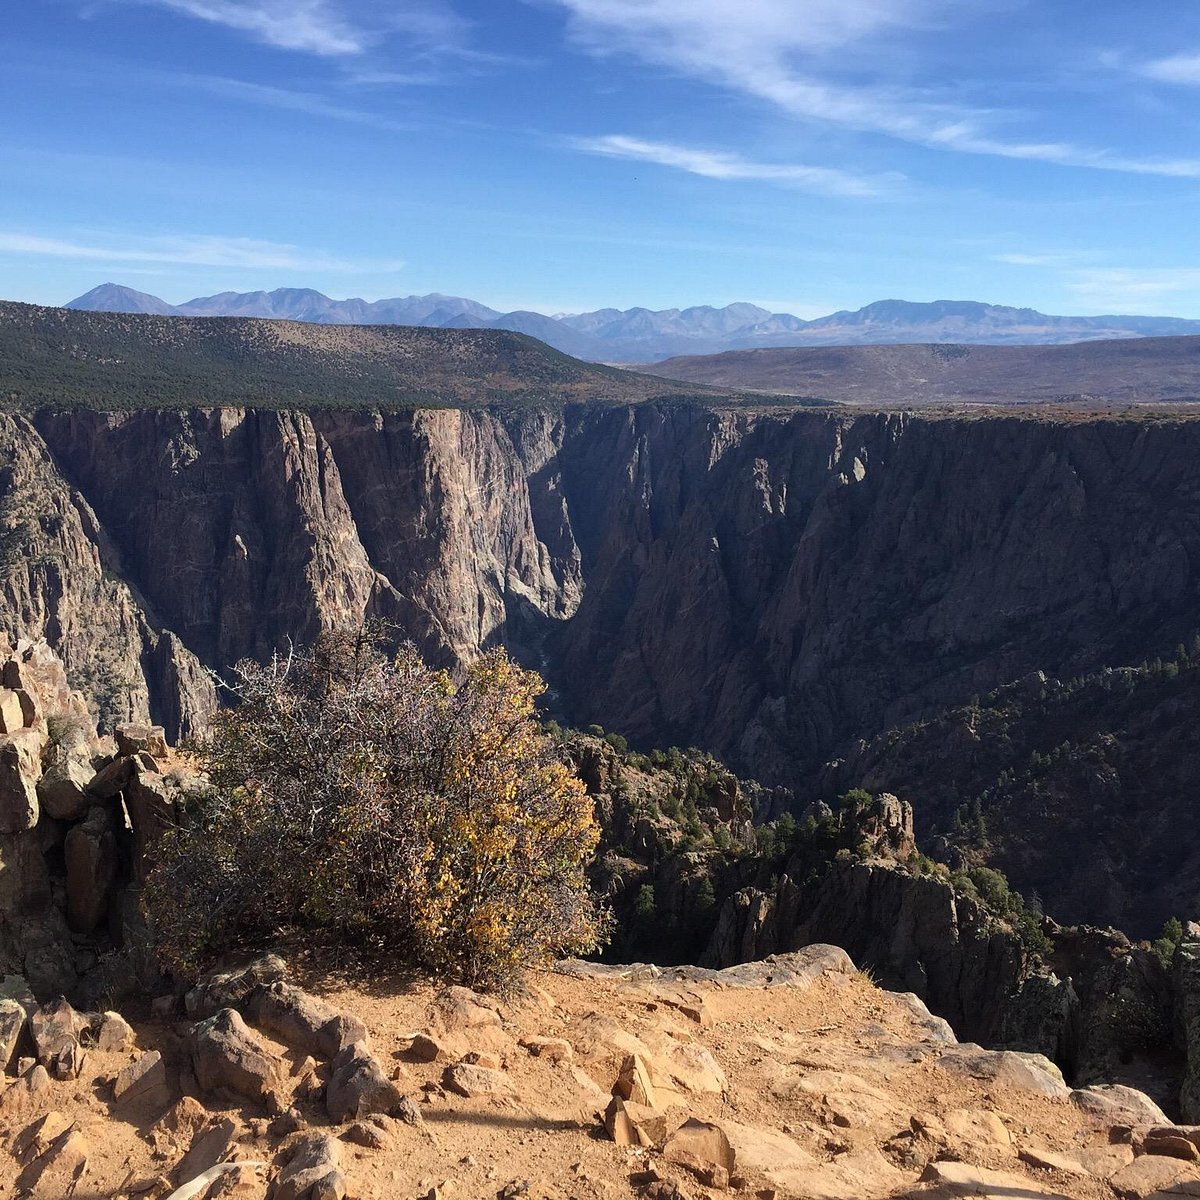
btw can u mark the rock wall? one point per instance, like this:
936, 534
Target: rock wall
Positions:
79, 817
769, 586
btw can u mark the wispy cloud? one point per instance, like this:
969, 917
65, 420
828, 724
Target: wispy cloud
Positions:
1133, 289
327, 28
199, 250
770, 50
268, 96
713, 164
1178, 68
312, 26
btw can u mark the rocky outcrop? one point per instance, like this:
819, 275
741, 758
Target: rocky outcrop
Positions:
79, 822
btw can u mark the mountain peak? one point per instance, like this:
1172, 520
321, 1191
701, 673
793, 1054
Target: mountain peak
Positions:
115, 297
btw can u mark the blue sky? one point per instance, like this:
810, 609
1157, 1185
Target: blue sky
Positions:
564, 155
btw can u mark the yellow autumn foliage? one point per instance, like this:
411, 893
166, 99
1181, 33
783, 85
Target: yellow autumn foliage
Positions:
376, 801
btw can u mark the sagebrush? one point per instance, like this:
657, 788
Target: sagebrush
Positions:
370, 799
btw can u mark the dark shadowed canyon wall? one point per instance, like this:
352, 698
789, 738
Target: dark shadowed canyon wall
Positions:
766, 586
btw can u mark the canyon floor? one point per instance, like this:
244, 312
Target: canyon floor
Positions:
794, 1077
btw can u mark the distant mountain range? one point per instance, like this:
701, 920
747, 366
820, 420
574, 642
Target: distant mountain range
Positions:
643, 335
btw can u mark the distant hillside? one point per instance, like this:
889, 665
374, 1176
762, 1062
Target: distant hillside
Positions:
59, 358
1140, 370
648, 335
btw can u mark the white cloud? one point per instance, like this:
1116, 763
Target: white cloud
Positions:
775, 50
200, 250
313, 26
714, 164
1179, 68
328, 28
268, 96
1133, 289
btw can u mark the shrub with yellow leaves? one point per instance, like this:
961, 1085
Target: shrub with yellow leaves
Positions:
374, 801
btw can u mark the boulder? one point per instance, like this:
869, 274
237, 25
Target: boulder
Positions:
150, 800
56, 1028
210, 1145
470, 1079
427, 1049
234, 987
133, 739
20, 769
459, 1008
27, 1095
91, 857
33, 1141
358, 1086
953, 1179
1150, 1174
631, 1124
13, 1020
1118, 1104
304, 1022
112, 1033
551, 1049
12, 711
700, 1141
57, 1172
61, 790
143, 1081
111, 780
313, 1171
229, 1058
1052, 1160
633, 1083
1025, 1072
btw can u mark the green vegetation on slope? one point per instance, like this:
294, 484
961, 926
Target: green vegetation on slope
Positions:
58, 358
1103, 764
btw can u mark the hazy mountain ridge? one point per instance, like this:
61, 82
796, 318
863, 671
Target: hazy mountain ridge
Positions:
644, 335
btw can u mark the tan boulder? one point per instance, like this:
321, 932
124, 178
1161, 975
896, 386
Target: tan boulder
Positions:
1105, 1161
58, 1171
61, 790
854, 1176
1117, 1104
27, 1094
700, 1141
1152, 1173
35, 1139
1052, 1160
20, 769
459, 1008
471, 1079
978, 1128
551, 1049
633, 1083
133, 738
210, 1145
950, 1180
13, 1020
631, 1124
12, 711
312, 1172
112, 1033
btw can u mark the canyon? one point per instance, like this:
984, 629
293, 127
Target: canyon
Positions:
770, 586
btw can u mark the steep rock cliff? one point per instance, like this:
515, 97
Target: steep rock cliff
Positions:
766, 585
